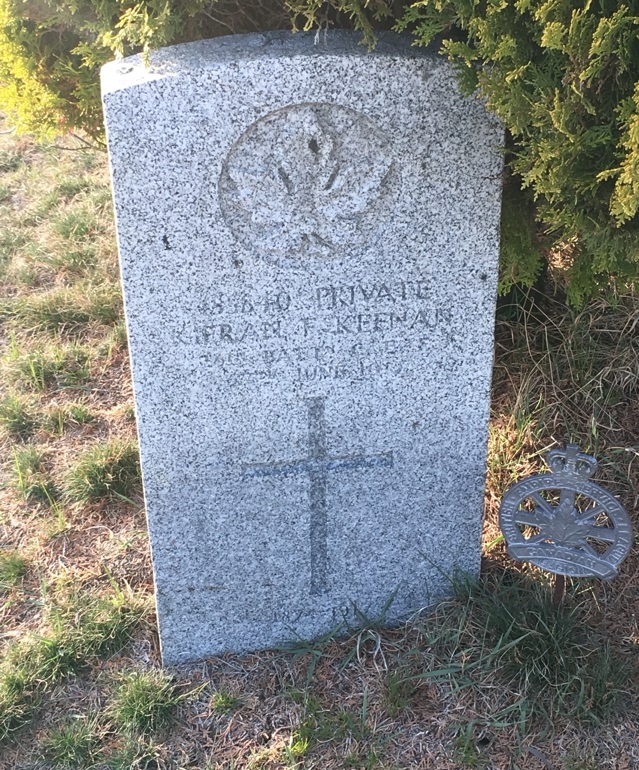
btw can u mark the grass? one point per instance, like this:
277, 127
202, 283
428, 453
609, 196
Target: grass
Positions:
11, 160
20, 417
64, 191
581, 763
17, 416
559, 664
13, 568
137, 753
144, 701
11, 241
225, 702
65, 310
487, 680
106, 472
73, 744
399, 689
58, 419
76, 225
73, 262
78, 628
29, 474
47, 366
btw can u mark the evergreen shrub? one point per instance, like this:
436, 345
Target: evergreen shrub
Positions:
563, 75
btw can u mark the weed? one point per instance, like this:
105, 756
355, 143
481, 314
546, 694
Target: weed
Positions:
12, 569
144, 701
29, 477
224, 702
106, 472
73, 744
16, 416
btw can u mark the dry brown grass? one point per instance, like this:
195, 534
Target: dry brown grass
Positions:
374, 699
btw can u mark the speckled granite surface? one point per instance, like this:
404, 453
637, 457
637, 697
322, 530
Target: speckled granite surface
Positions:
309, 239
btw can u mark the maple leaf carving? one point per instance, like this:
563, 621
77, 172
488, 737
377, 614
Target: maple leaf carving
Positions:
308, 180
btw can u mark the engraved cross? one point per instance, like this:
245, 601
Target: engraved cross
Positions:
317, 465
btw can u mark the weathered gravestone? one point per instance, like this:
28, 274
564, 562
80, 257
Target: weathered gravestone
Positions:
308, 235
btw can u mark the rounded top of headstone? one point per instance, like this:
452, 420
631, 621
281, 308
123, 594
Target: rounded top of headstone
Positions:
209, 54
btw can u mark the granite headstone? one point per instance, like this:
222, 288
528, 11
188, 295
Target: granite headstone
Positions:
308, 235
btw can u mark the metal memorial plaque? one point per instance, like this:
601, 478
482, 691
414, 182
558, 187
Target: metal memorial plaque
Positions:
565, 523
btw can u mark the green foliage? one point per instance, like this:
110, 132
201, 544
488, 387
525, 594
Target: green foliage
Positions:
12, 569
144, 701
562, 76
16, 416
80, 627
561, 665
51, 52
108, 472
364, 15
29, 477
72, 744
521, 256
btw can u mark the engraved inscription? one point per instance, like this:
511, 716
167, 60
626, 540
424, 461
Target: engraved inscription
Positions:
317, 465
309, 180
327, 331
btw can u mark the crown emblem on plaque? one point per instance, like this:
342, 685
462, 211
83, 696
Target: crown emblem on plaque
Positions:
565, 523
